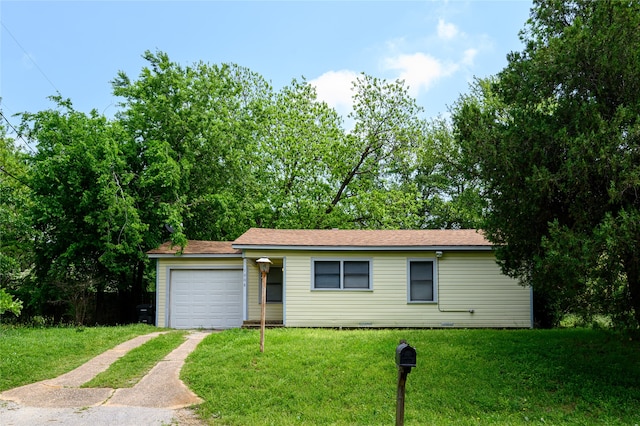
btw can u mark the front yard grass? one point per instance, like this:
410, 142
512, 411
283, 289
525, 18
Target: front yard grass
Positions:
331, 377
463, 377
28, 355
128, 370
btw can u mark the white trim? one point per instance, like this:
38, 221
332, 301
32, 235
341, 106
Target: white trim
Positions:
245, 291
157, 323
167, 295
284, 291
194, 255
341, 260
434, 278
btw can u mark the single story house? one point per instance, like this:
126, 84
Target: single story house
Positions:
339, 278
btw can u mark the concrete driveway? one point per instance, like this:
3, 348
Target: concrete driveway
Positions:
160, 398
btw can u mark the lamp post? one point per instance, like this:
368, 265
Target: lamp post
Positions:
264, 264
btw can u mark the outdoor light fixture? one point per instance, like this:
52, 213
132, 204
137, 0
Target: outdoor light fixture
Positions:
264, 264
438, 254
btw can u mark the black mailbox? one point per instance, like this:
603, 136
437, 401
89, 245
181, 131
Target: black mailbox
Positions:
405, 355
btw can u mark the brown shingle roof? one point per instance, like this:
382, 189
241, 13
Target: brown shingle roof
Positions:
433, 238
197, 247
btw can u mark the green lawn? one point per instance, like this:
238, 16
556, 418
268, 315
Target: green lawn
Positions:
331, 377
28, 355
463, 377
135, 364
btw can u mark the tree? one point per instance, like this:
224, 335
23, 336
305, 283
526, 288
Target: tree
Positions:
555, 140
203, 120
394, 170
292, 168
9, 304
450, 197
371, 168
16, 258
88, 232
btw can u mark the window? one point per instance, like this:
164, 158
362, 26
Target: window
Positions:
421, 282
274, 286
356, 274
342, 274
327, 274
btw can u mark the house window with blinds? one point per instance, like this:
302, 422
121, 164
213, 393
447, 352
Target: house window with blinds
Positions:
422, 286
341, 275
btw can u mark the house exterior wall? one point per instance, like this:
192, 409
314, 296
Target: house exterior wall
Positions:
166, 264
465, 281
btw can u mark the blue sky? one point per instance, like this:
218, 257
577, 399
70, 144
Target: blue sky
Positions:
77, 47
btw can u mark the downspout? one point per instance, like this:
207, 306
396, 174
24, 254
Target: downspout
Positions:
438, 256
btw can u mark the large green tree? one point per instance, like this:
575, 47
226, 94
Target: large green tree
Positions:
555, 139
318, 175
16, 249
371, 168
450, 197
204, 120
292, 168
88, 233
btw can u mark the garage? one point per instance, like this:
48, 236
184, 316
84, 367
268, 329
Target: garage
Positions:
205, 298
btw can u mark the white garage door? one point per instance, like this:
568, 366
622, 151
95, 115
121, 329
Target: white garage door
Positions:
205, 298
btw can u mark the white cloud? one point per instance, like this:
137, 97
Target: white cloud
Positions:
468, 56
419, 70
334, 88
446, 31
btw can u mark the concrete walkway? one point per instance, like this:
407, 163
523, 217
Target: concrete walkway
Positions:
158, 399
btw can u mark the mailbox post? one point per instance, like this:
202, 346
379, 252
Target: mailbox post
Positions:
405, 360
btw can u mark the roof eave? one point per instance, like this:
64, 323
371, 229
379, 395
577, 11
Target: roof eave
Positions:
193, 255
361, 248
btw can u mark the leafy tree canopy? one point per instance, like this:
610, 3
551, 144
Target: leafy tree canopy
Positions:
206, 151
555, 140
16, 235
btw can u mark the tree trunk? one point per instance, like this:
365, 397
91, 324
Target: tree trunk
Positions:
346, 181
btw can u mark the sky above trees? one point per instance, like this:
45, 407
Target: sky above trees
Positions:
77, 48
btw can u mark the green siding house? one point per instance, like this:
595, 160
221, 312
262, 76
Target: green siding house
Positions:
340, 278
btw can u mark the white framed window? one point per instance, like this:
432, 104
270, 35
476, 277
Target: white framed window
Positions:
274, 286
422, 286
340, 274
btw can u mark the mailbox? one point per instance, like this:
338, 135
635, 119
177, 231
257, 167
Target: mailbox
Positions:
405, 360
405, 355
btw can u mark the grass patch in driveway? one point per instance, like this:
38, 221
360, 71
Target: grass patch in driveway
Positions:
463, 377
135, 364
31, 354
